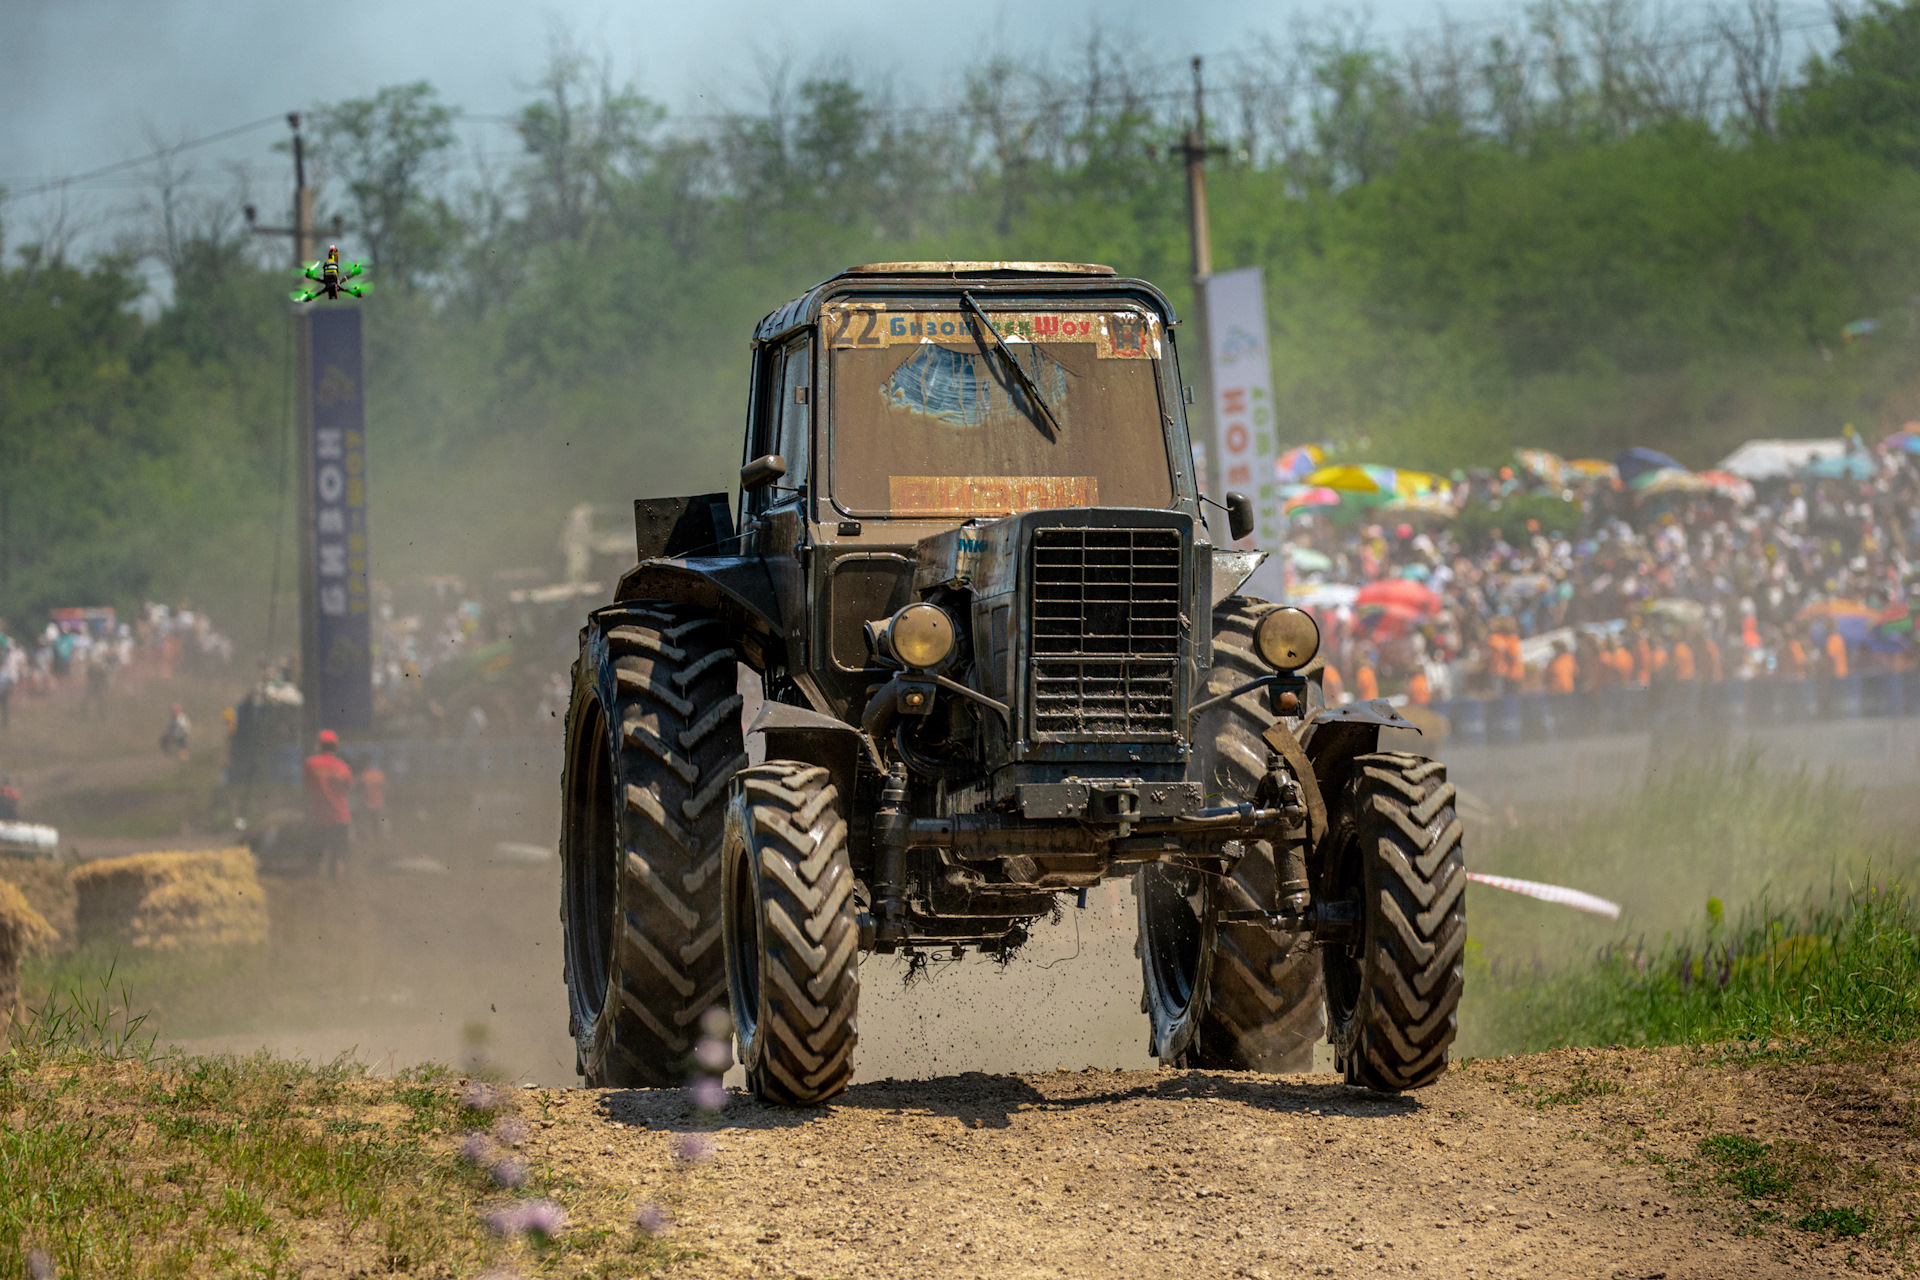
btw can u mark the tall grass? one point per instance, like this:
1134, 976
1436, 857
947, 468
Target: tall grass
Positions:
1843, 969
1825, 941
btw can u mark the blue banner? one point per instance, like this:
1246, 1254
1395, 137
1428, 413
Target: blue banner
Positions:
343, 649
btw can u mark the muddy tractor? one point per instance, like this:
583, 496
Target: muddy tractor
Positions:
1000, 656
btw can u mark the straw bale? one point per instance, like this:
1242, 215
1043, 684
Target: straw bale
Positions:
48, 886
22, 933
204, 898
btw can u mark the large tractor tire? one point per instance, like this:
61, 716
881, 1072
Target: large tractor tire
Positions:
792, 933
1227, 995
1393, 993
653, 740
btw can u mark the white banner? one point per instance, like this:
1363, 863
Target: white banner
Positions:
1243, 426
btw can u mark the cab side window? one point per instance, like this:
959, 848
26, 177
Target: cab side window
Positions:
792, 412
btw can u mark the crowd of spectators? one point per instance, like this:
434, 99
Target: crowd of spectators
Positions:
89, 647
1532, 589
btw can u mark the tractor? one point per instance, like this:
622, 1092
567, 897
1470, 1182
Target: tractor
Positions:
1001, 655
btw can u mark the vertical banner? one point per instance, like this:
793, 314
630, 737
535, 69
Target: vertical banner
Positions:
1243, 426
337, 661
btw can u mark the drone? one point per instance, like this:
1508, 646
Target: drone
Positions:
332, 276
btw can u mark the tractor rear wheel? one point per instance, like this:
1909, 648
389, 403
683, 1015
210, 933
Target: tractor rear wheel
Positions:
792, 933
653, 739
1227, 995
1393, 991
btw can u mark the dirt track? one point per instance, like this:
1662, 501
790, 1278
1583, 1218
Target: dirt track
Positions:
1162, 1173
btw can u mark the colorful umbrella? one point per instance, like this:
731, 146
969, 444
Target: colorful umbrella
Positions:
1298, 463
1728, 485
1307, 560
1634, 463
1549, 466
1668, 480
1296, 497
1402, 592
1834, 609
1905, 440
1593, 469
1347, 479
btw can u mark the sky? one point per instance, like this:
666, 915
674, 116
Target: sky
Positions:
89, 83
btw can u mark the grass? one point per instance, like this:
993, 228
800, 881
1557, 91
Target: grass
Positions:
1843, 970
116, 1162
1829, 947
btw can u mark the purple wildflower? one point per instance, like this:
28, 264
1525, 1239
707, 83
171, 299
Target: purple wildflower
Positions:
473, 1148
653, 1219
714, 1055
512, 1130
509, 1173
477, 1095
707, 1093
692, 1148
529, 1217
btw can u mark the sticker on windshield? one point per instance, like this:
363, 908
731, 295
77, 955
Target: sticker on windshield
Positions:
989, 495
1115, 335
966, 389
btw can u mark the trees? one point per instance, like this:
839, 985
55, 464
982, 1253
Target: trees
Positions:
389, 151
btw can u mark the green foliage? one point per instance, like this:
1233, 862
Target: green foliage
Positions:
1547, 239
1836, 1222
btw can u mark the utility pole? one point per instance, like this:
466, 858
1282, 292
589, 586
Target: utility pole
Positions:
1194, 151
301, 232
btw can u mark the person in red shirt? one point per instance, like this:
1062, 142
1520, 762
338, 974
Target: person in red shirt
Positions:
329, 780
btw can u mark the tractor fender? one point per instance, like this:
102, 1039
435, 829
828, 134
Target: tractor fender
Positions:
740, 590
1334, 736
811, 737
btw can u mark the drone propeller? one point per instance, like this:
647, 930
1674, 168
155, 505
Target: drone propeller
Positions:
348, 270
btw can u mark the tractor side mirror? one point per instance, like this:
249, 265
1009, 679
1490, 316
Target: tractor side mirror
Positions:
761, 473
1239, 515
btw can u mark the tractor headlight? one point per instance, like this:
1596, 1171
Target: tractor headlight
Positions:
921, 635
1287, 639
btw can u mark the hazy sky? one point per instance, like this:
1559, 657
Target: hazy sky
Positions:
88, 83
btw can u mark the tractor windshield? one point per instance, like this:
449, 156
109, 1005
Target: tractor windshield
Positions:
928, 419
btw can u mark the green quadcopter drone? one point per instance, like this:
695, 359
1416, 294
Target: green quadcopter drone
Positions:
332, 276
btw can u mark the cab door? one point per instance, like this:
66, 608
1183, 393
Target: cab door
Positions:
776, 517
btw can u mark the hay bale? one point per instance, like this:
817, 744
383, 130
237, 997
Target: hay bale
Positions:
49, 890
23, 932
204, 898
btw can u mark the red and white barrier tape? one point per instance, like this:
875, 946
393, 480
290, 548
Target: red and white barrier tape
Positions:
1552, 893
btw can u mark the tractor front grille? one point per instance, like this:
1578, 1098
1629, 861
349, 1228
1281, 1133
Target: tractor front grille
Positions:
1106, 632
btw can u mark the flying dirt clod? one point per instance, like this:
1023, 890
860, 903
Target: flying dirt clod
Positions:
1004, 659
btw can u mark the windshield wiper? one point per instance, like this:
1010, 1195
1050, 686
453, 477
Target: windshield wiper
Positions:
1051, 427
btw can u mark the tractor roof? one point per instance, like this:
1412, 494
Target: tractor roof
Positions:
916, 276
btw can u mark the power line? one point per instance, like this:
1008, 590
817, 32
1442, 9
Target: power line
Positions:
52, 184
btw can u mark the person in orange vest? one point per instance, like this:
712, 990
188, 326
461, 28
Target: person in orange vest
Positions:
1836, 654
1332, 689
1563, 671
1504, 663
1684, 668
1715, 673
1642, 654
329, 781
1419, 690
1793, 659
1366, 685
